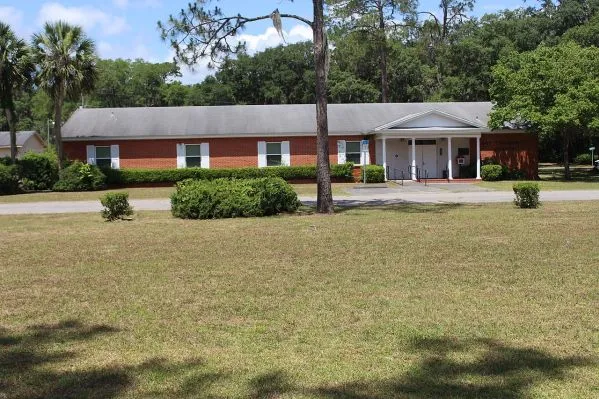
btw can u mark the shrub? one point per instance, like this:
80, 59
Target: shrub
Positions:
9, 179
374, 174
137, 176
527, 195
39, 171
583, 159
225, 198
80, 177
116, 206
6, 161
491, 172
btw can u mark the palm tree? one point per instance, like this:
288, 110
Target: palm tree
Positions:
66, 60
16, 71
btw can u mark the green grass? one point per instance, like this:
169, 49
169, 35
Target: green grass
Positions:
408, 301
144, 193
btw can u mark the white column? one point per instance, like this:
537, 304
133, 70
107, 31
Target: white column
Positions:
385, 156
478, 157
413, 168
449, 160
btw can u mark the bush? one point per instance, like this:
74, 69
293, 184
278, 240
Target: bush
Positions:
374, 174
9, 179
80, 177
6, 161
39, 171
137, 176
225, 198
527, 195
583, 159
491, 172
116, 206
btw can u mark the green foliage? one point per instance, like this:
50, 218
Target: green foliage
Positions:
141, 176
226, 198
491, 172
116, 206
6, 161
527, 195
583, 159
39, 171
9, 179
374, 174
80, 177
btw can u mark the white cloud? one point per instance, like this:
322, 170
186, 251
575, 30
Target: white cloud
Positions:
270, 38
14, 18
86, 16
121, 3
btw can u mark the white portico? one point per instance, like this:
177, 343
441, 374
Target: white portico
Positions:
432, 144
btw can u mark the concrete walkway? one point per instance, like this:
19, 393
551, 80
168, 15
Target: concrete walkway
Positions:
371, 198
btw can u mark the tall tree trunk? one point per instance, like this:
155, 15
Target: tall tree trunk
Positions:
383, 58
324, 201
58, 102
12, 126
566, 149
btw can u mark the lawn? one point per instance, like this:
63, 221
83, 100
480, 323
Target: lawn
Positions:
144, 193
408, 301
552, 179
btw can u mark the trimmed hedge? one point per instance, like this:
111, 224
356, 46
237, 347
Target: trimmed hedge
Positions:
80, 177
491, 172
226, 198
527, 195
583, 159
116, 206
9, 179
374, 174
137, 176
39, 171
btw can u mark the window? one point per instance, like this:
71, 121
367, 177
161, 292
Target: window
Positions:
423, 142
103, 159
352, 152
193, 156
462, 152
273, 154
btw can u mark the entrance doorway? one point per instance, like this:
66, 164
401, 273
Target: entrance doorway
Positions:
426, 158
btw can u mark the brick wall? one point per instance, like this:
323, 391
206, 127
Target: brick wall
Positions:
516, 150
224, 153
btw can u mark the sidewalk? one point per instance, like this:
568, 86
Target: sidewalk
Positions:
371, 199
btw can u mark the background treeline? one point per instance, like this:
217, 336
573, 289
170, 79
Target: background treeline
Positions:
440, 55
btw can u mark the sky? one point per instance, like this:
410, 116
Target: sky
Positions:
128, 28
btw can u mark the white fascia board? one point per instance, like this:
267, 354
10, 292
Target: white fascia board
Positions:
208, 136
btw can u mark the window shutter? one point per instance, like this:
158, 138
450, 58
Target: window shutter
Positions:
261, 154
205, 153
285, 154
364, 155
91, 154
115, 162
340, 151
181, 156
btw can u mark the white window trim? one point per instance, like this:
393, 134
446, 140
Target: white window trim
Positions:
359, 153
204, 155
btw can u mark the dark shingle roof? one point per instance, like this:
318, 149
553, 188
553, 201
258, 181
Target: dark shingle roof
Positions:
253, 120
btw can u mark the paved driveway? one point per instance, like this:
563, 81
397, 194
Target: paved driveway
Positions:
372, 197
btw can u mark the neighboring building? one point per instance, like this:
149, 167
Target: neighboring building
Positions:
448, 137
26, 141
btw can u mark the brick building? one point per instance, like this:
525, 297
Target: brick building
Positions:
412, 140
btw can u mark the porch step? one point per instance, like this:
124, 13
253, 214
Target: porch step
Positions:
434, 181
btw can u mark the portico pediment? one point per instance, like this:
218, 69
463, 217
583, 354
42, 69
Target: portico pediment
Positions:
433, 120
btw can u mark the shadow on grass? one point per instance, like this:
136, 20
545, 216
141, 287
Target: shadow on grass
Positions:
448, 368
32, 365
397, 206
